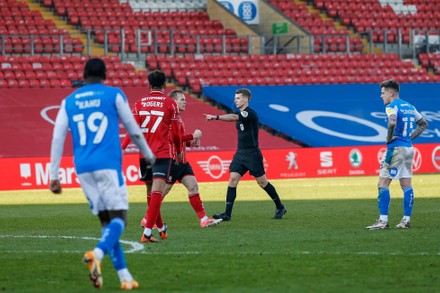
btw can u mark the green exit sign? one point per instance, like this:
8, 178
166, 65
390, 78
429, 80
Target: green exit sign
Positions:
279, 28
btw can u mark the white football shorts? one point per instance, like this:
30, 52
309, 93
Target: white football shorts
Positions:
397, 163
103, 191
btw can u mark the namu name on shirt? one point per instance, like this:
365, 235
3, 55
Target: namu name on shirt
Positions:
95, 103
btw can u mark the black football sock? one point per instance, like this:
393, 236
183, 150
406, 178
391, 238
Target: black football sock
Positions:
270, 189
231, 194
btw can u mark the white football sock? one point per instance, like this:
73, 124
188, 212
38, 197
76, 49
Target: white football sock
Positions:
147, 231
384, 218
99, 254
124, 275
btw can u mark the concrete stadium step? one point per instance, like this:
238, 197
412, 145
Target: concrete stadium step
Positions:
96, 49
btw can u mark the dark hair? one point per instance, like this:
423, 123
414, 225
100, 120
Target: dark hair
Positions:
157, 79
245, 92
173, 94
390, 84
95, 67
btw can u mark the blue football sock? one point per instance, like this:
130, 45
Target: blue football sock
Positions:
408, 200
111, 234
117, 256
383, 200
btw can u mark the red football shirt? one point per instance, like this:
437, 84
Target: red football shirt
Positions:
158, 118
186, 141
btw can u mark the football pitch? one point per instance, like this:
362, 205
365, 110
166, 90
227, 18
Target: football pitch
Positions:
320, 246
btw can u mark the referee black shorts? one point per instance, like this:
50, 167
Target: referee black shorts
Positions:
178, 171
161, 169
248, 160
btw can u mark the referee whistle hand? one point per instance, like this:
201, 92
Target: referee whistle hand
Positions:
55, 186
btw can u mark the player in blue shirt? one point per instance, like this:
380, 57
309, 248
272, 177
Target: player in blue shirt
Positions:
92, 114
405, 123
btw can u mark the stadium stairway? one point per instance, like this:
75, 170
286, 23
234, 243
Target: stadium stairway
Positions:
337, 23
96, 50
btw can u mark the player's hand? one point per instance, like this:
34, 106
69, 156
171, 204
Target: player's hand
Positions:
150, 162
210, 117
179, 158
55, 186
197, 134
195, 142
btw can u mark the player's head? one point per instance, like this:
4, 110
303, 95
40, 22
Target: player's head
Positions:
157, 80
246, 93
180, 99
390, 85
242, 98
389, 91
95, 69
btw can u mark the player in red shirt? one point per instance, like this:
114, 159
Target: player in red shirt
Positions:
158, 118
183, 171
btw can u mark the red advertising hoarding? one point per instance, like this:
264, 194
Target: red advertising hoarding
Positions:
33, 173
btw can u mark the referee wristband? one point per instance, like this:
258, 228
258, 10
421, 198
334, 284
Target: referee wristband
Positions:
217, 117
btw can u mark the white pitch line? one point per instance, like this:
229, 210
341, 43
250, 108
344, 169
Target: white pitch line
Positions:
366, 253
135, 246
139, 248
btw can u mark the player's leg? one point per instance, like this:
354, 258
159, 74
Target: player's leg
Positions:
117, 255
406, 185
148, 197
236, 170
387, 172
161, 171
190, 182
231, 194
280, 210
94, 257
147, 177
254, 163
110, 186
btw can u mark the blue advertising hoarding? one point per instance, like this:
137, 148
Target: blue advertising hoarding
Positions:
246, 10
334, 115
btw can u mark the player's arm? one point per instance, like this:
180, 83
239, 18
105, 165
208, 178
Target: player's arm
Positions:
176, 138
56, 150
422, 124
191, 136
126, 141
392, 120
192, 139
133, 130
224, 117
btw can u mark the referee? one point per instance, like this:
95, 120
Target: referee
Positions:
248, 156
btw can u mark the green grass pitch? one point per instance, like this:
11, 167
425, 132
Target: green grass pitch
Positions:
320, 246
